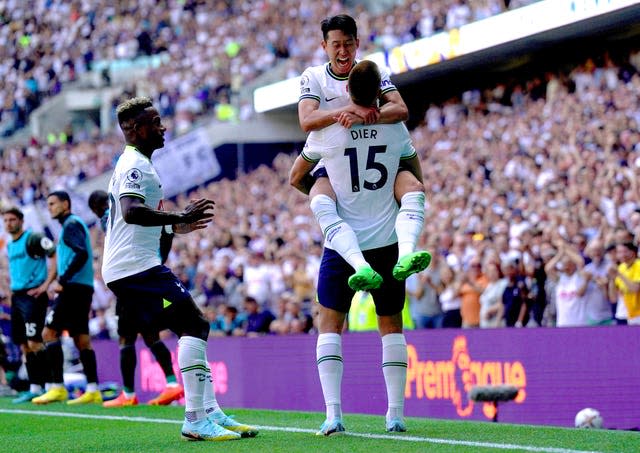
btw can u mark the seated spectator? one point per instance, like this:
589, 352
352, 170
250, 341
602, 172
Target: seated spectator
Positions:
256, 321
227, 322
299, 321
280, 324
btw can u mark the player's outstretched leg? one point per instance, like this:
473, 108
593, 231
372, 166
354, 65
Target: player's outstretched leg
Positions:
365, 279
410, 264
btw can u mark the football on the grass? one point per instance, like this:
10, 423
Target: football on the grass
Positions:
589, 418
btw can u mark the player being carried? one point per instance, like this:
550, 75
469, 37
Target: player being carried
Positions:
372, 213
324, 101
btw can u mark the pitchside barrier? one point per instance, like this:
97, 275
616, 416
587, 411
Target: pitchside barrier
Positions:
558, 371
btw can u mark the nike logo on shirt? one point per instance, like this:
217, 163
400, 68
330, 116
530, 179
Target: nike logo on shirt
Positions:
331, 99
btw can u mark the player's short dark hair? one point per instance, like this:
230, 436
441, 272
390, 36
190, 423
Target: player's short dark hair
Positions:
131, 108
61, 195
346, 24
15, 211
364, 83
98, 198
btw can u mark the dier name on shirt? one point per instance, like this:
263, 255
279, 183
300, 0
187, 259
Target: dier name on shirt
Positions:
364, 133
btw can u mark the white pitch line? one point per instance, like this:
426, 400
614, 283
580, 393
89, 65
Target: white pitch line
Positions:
397, 438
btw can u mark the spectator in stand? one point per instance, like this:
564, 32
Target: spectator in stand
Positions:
256, 321
515, 295
472, 285
423, 290
280, 324
257, 277
624, 280
598, 308
571, 285
302, 283
450, 297
491, 307
298, 320
228, 322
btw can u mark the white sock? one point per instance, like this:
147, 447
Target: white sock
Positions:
35, 388
330, 366
92, 387
394, 368
193, 366
209, 400
338, 233
409, 222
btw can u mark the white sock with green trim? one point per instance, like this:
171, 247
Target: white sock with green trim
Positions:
394, 368
330, 367
209, 400
409, 222
193, 367
338, 233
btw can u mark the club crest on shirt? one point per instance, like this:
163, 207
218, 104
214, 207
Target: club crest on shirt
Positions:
134, 175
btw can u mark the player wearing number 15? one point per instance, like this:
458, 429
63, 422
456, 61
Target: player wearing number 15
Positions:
361, 163
29, 282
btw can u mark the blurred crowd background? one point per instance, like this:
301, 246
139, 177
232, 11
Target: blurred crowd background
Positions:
531, 183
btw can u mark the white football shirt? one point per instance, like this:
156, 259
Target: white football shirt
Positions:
362, 164
130, 249
331, 90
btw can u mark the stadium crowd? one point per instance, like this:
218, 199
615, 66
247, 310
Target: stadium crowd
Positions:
212, 51
551, 165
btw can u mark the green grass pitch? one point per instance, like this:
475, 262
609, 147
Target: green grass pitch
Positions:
59, 428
